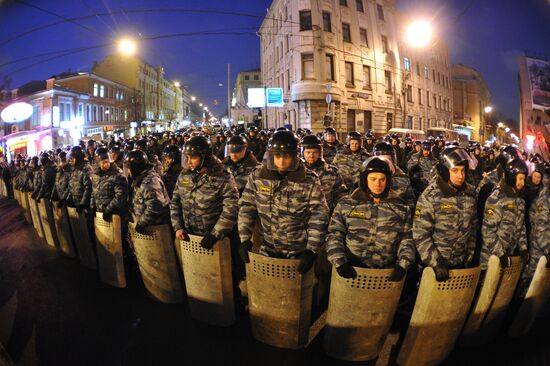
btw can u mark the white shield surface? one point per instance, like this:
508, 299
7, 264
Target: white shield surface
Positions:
109, 250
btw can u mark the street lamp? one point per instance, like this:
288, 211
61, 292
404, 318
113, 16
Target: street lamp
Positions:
193, 99
200, 104
488, 109
177, 84
418, 33
127, 46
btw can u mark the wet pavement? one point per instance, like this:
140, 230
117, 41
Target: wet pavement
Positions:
54, 311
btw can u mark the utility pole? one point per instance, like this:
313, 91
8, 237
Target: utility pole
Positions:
229, 92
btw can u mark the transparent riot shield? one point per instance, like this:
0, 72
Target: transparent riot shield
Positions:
63, 230
109, 250
26, 207
360, 313
82, 240
36, 222
438, 316
537, 295
208, 280
492, 301
279, 300
48, 226
157, 262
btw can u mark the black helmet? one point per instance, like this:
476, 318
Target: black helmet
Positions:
512, 169
395, 137
376, 164
353, 135
197, 146
101, 153
136, 162
311, 142
235, 144
282, 142
45, 159
115, 153
77, 154
228, 134
62, 157
330, 130
172, 152
141, 144
252, 129
510, 152
451, 157
385, 149
369, 136
427, 145
408, 140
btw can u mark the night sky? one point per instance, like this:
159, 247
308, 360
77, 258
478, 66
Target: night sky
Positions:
487, 35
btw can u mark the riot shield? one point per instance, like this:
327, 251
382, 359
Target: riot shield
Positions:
82, 240
3, 189
208, 280
36, 222
492, 301
438, 316
360, 313
156, 258
279, 300
46, 217
16, 196
63, 230
532, 305
109, 250
25, 205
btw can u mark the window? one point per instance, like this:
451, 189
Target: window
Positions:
409, 93
363, 37
288, 79
346, 35
440, 102
102, 91
349, 73
433, 75
344, 2
384, 44
407, 64
287, 44
359, 5
435, 101
95, 113
100, 114
80, 110
420, 127
107, 113
329, 67
307, 66
380, 11
417, 68
419, 96
366, 76
327, 26
256, 77
121, 95
246, 77
305, 20
61, 112
389, 120
428, 98
438, 78
367, 115
426, 72
95, 89
68, 110
88, 113
387, 79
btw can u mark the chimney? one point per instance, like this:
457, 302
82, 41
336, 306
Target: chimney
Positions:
50, 83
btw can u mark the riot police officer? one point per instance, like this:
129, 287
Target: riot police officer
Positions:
372, 227
331, 146
445, 219
421, 168
48, 177
205, 200
239, 160
60, 192
503, 229
109, 186
288, 200
149, 201
171, 167
349, 159
332, 184
80, 182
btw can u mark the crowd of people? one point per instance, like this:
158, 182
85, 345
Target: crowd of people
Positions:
369, 202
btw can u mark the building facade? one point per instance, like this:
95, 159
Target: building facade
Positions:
351, 50
470, 98
162, 101
240, 112
534, 116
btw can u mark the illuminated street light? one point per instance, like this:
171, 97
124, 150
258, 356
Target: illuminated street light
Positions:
418, 33
193, 99
200, 104
488, 109
177, 84
127, 46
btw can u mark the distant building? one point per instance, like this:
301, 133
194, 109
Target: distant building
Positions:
352, 50
240, 112
534, 84
162, 102
470, 98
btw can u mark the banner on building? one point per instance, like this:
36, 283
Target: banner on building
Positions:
539, 77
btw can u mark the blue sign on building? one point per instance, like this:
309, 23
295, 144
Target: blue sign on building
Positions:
275, 97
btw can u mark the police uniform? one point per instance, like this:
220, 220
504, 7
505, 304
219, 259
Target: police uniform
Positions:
332, 184
150, 201
349, 163
242, 169
109, 191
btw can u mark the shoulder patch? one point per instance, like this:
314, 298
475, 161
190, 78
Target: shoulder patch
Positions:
511, 206
186, 182
446, 206
358, 214
265, 189
490, 211
540, 207
417, 212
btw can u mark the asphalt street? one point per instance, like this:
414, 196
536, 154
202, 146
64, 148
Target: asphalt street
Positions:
54, 311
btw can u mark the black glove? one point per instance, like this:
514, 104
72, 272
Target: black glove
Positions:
524, 256
346, 270
33, 196
140, 229
208, 241
397, 274
307, 257
244, 248
504, 261
61, 204
107, 216
38, 199
441, 271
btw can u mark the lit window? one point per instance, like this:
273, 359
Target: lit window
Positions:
407, 63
